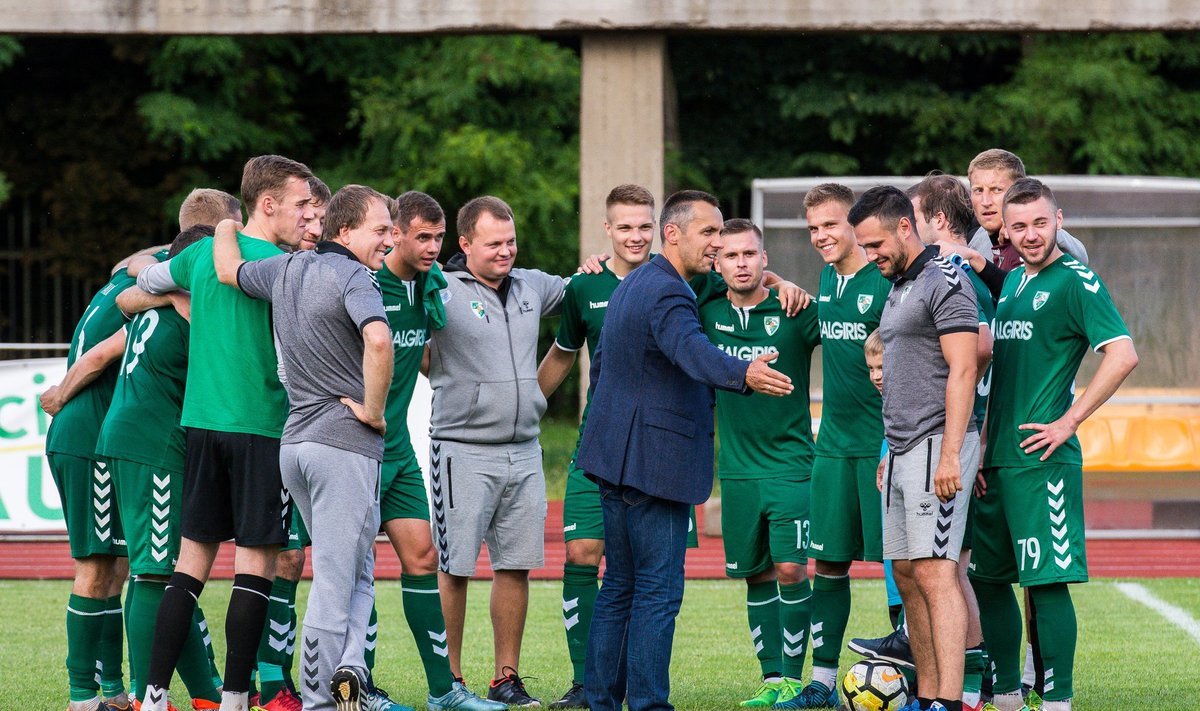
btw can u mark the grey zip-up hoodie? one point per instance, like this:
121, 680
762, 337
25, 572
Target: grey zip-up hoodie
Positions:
483, 364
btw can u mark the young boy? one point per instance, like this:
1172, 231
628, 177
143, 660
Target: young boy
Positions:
873, 350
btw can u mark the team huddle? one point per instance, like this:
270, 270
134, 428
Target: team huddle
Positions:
252, 382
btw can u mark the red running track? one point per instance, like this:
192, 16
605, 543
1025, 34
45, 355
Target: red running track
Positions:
1155, 558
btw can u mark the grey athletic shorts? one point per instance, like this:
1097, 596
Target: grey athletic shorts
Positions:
916, 524
493, 493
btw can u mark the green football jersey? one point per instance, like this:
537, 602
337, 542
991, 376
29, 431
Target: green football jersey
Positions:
1044, 324
233, 384
851, 408
584, 304
142, 424
402, 301
762, 436
74, 430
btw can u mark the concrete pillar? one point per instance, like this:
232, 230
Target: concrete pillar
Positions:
620, 128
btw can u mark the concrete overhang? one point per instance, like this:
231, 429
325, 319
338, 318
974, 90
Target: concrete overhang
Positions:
579, 16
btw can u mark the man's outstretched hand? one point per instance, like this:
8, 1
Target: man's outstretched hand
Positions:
762, 378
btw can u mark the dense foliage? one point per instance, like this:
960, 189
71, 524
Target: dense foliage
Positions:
105, 135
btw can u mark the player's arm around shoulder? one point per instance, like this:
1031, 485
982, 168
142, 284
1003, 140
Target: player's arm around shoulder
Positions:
227, 256
85, 370
549, 287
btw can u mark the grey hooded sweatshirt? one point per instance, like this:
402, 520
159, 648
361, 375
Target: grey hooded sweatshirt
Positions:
483, 364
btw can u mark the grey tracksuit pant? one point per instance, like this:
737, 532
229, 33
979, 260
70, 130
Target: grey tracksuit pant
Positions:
337, 492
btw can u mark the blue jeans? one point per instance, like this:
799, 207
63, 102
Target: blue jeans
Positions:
629, 646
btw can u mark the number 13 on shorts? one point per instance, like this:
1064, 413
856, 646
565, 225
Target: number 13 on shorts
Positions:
802, 537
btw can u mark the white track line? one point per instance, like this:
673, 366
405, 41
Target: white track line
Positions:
1177, 616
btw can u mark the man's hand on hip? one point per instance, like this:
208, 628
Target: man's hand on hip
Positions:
373, 420
762, 378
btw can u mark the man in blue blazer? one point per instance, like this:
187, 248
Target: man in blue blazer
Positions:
649, 444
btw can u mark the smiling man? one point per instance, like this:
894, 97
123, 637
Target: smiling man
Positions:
930, 331
1029, 523
847, 527
336, 351
486, 476
765, 461
234, 417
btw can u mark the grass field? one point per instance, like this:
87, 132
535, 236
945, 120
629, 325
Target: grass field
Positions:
1129, 656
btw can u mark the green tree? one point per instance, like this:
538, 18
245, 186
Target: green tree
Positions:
467, 116
9, 49
1116, 104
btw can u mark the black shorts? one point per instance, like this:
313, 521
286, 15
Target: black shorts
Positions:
232, 489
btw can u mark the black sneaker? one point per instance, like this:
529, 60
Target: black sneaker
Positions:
510, 689
573, 699
893, 648
347, 689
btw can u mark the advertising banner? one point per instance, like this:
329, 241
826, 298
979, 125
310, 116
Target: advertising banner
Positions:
28, 500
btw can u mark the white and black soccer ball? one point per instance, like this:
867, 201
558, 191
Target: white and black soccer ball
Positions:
872, 685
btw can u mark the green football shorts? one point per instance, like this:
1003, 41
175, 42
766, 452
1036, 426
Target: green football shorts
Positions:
89, 506
402, 491
298, 538
763, 522
847, 522
1029, 527
149, 499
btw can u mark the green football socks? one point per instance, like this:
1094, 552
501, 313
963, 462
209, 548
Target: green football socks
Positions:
1054, 617
830, 613
85, 627
112, 649
272, 647
581, 583
423, 610
1002, 633
193, 666
763, 614
795, 616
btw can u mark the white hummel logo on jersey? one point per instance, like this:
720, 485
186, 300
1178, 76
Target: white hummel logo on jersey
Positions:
597, 304
723, 327
823, 298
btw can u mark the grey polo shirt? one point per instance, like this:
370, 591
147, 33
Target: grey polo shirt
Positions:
929, 300
321, 300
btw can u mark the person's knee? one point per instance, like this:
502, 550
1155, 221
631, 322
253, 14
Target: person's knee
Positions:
833, 569
585, 551
289, 565
934, 576
422, 561
256, 560
93, 577
790, 573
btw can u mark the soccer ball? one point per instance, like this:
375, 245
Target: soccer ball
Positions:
872, 685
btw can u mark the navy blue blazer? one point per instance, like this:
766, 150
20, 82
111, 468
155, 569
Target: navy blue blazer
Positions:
650, 423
